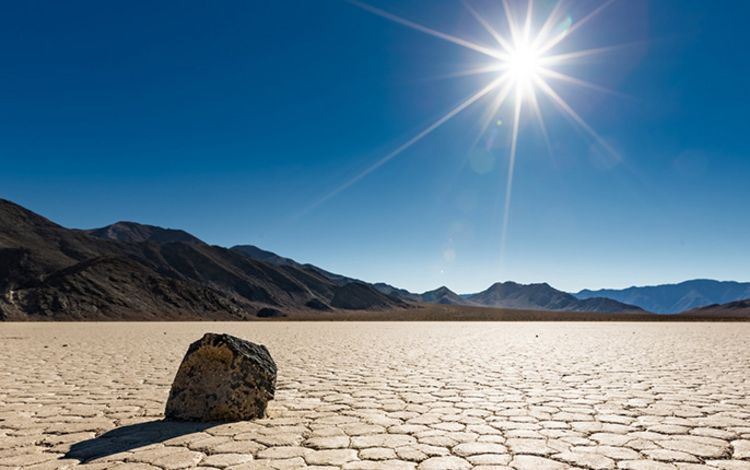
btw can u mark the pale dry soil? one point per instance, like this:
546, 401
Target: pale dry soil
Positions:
388, 396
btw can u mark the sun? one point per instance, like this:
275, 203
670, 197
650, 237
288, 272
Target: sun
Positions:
523, 63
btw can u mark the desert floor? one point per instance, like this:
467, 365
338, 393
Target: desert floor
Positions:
388, 395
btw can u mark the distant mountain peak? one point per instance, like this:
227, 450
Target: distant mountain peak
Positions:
442, 290
443, 295
510, 294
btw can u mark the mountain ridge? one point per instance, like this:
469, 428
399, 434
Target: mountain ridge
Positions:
536, 294
136, 232
50, 272
676, 297
511, 294
128, 270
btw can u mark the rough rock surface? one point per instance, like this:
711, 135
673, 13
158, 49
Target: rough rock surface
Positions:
222, 378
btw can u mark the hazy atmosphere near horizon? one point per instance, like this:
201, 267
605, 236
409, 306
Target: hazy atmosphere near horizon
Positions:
259, 122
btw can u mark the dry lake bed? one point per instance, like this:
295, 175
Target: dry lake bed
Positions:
388, 395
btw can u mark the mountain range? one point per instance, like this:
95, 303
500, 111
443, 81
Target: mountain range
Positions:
513, 295
499, 295
674, 298
129, 271
135, 271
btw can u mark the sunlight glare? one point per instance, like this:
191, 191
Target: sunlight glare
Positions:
523, 63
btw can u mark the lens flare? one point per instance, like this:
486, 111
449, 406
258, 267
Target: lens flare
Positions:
524, 65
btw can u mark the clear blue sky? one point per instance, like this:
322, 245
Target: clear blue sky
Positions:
230, 119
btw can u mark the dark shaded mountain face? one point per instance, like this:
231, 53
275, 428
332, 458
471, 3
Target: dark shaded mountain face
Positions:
543, 296
362, 296
350, 294
143, 272
674, 298
259, 254
397, 292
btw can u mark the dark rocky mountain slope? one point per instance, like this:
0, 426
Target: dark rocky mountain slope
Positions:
397, 292
129, 271
362, 296
739, 309
253, 252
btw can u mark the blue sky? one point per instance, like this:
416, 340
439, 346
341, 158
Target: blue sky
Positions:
230, 120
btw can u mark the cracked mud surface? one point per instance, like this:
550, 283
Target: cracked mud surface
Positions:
637, 396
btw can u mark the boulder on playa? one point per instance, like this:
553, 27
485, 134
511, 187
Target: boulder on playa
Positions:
222, 378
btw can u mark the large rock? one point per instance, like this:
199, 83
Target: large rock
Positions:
222, 378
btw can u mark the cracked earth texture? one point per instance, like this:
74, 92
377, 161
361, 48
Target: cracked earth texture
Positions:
548, 396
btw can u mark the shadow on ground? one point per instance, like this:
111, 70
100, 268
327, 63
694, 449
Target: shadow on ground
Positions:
131, 437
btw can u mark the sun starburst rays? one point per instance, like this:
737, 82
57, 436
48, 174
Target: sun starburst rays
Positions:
424, 29
524, 62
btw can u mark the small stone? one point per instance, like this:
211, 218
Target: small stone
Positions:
222, 378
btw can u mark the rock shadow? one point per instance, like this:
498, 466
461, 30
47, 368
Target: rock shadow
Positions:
131, 437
